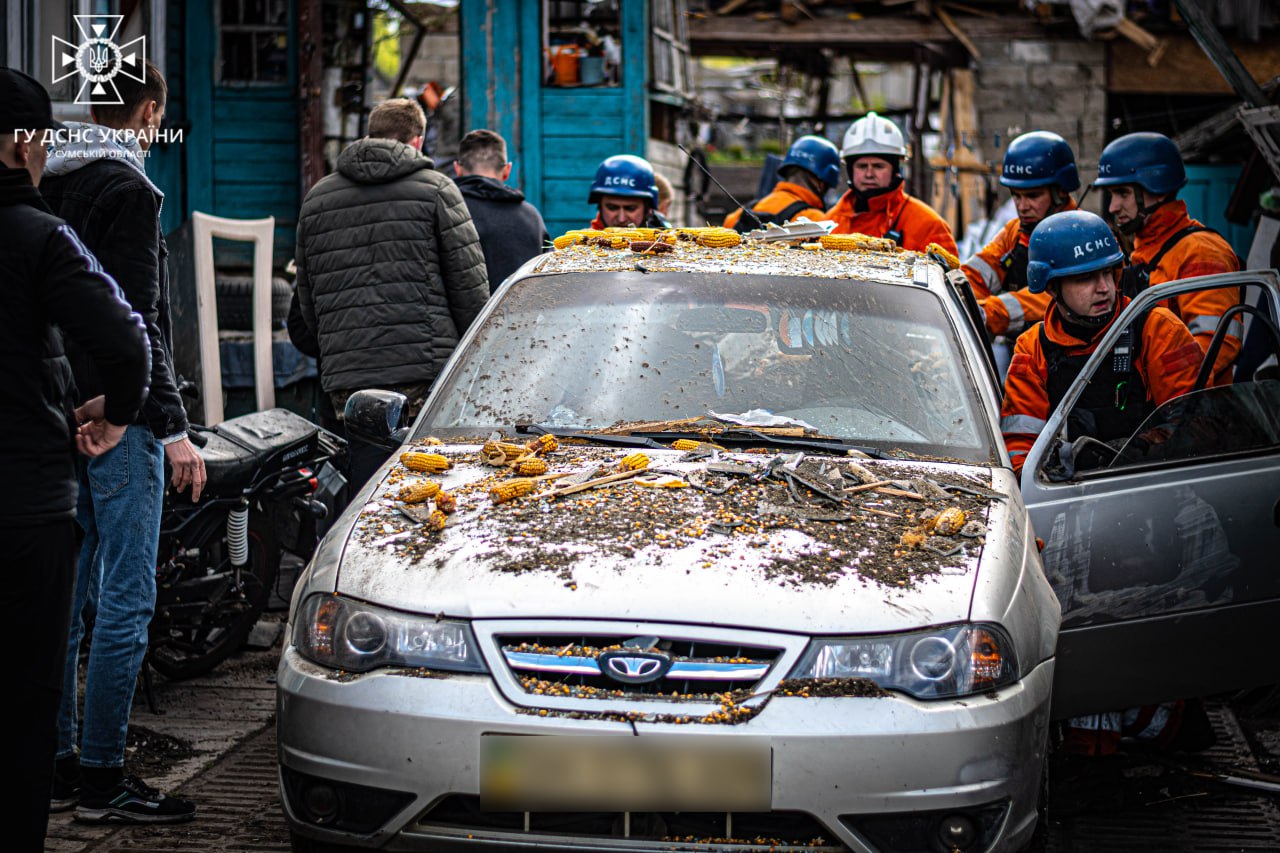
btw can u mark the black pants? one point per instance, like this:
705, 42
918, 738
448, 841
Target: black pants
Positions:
35, 605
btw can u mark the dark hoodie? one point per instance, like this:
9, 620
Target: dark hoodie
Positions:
49, 279
511, 230
390, 271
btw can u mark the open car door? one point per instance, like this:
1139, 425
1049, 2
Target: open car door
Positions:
1164, 546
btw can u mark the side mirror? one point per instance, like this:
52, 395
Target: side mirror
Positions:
376, 417
1083, 454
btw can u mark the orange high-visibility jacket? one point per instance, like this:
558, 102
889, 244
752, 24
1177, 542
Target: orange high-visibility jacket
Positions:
783, 196
1009, 312
919, 223
1167, 362
1201, 253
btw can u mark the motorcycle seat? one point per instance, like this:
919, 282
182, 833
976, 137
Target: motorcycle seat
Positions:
237, 450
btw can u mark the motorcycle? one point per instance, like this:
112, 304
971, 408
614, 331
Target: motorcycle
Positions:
273, 477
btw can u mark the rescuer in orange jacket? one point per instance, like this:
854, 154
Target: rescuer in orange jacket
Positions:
1140, 175
1040, 170
625, 193
1075, 256
811, 168
876, 204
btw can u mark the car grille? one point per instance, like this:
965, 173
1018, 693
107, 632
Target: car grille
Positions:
573, 664
777, 830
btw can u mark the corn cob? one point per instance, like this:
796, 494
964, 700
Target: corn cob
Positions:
609, 241
501, 452
446, 503
949, 521
564, 241
531, 467
857, 243
634, 462
719, 238
416, 493
432, 441
652, 247
432, 463
685, 444
510, 490
544, 443
937, 251
437, 520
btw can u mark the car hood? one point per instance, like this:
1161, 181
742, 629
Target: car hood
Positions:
676, 555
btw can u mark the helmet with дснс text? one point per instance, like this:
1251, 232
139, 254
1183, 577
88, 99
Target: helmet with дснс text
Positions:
1069, 243
624, 175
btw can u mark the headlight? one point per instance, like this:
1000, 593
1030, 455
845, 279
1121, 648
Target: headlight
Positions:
937, 664
342, 633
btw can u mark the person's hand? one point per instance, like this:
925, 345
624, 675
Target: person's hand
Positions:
95, 435
188, 467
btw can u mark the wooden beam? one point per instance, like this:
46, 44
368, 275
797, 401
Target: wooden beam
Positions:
721, 36
1154, 47
954, 28
1128, 72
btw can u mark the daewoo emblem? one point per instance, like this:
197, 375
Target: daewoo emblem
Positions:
634, 667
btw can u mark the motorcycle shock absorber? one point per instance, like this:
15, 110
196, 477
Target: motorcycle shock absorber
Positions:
238, 535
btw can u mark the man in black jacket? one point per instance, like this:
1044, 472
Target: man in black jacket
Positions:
50, 286
511, 230
390, 271
96, 181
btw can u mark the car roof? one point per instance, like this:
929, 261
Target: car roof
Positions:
625, 250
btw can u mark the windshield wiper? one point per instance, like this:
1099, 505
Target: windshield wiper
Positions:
827, 444
594, 437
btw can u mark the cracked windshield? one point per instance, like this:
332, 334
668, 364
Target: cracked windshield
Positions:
588, 351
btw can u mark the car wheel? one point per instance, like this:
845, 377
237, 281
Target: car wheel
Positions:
303, 844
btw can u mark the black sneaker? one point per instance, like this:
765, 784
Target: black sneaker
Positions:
132, 801
66, 784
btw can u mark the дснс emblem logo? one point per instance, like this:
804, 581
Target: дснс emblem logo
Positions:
98, 59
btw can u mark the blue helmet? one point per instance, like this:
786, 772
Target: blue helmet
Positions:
1150, 160
817, 156
625, 175
1039, 159
1069, 243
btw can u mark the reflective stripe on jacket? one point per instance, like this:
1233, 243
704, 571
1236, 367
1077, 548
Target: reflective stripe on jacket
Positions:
783, 196
1201, 253
1008, 312
918, 223
1167, 362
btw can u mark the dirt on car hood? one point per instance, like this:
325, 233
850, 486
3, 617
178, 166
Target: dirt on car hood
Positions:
793, 542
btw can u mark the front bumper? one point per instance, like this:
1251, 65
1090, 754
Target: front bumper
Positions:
833, 758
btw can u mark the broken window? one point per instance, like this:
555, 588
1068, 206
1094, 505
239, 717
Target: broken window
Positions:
670, 47
253, 41
582, 43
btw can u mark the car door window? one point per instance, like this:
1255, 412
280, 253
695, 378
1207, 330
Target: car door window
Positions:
1169, 408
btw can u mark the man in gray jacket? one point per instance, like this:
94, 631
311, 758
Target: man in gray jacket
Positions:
390, 270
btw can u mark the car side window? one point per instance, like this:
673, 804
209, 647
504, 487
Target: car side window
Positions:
1156, 400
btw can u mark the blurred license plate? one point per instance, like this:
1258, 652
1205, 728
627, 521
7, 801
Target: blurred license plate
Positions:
573, 773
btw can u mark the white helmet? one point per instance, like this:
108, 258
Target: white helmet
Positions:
872, 134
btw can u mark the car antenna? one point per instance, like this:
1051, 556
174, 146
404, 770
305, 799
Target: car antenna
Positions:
707, 172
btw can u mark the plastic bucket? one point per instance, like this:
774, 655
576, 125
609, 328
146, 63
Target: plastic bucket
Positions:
564, 64
591, 70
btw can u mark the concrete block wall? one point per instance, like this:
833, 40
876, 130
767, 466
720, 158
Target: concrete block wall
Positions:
1042, 85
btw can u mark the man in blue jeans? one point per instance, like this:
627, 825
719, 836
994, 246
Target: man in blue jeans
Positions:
97, 182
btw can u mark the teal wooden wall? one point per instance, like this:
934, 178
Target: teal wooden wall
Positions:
556, 137
1207, 192
241, 152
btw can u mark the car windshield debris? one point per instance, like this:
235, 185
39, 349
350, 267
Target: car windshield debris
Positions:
544, 507
879, 366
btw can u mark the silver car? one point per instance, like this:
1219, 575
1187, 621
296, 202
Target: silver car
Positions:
772, 586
